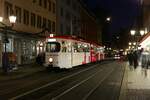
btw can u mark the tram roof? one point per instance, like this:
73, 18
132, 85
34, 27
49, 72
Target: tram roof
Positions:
76, 38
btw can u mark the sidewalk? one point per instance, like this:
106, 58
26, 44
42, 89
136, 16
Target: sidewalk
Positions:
136, 84
21, 71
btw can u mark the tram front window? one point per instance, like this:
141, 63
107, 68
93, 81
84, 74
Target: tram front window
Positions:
52, 47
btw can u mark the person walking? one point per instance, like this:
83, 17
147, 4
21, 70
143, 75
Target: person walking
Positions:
135, 59
130, 58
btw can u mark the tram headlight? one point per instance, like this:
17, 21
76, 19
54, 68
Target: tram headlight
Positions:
50, 60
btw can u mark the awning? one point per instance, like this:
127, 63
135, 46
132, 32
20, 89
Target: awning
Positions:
145, 41
23, 34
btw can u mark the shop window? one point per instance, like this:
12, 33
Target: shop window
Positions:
9, 46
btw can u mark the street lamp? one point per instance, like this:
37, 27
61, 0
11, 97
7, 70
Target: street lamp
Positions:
108, 19
142, 32
133, 33
12, 20
1, 19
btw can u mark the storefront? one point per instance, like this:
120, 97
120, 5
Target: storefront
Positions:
145, 42
23, 46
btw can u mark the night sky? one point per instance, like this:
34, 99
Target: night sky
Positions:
122, 12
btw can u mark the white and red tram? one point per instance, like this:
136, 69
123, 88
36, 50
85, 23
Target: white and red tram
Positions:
67, 52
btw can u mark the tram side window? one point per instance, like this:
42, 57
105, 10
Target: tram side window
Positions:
75, 47
69, 47
52, 47
64, 48
86, 49
78, 47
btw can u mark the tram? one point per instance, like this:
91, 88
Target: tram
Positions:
67, 52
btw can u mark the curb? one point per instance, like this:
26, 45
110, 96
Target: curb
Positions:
124, 85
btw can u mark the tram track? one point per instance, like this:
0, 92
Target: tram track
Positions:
81, 83
84, 81
18, 86
72, 93
54, 82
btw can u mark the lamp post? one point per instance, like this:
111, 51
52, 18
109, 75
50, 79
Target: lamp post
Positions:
12, 20
136, 36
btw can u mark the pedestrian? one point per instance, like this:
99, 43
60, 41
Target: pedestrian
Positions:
40, 59
130, 58
135, 59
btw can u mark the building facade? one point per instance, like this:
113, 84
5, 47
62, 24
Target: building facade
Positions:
74, 19
33, 16
60, 17
68, 15
146, 15
90, 28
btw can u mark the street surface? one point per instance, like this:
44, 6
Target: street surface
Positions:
136, 84
100, 81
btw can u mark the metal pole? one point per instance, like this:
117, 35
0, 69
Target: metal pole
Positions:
5, 63
5, 58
